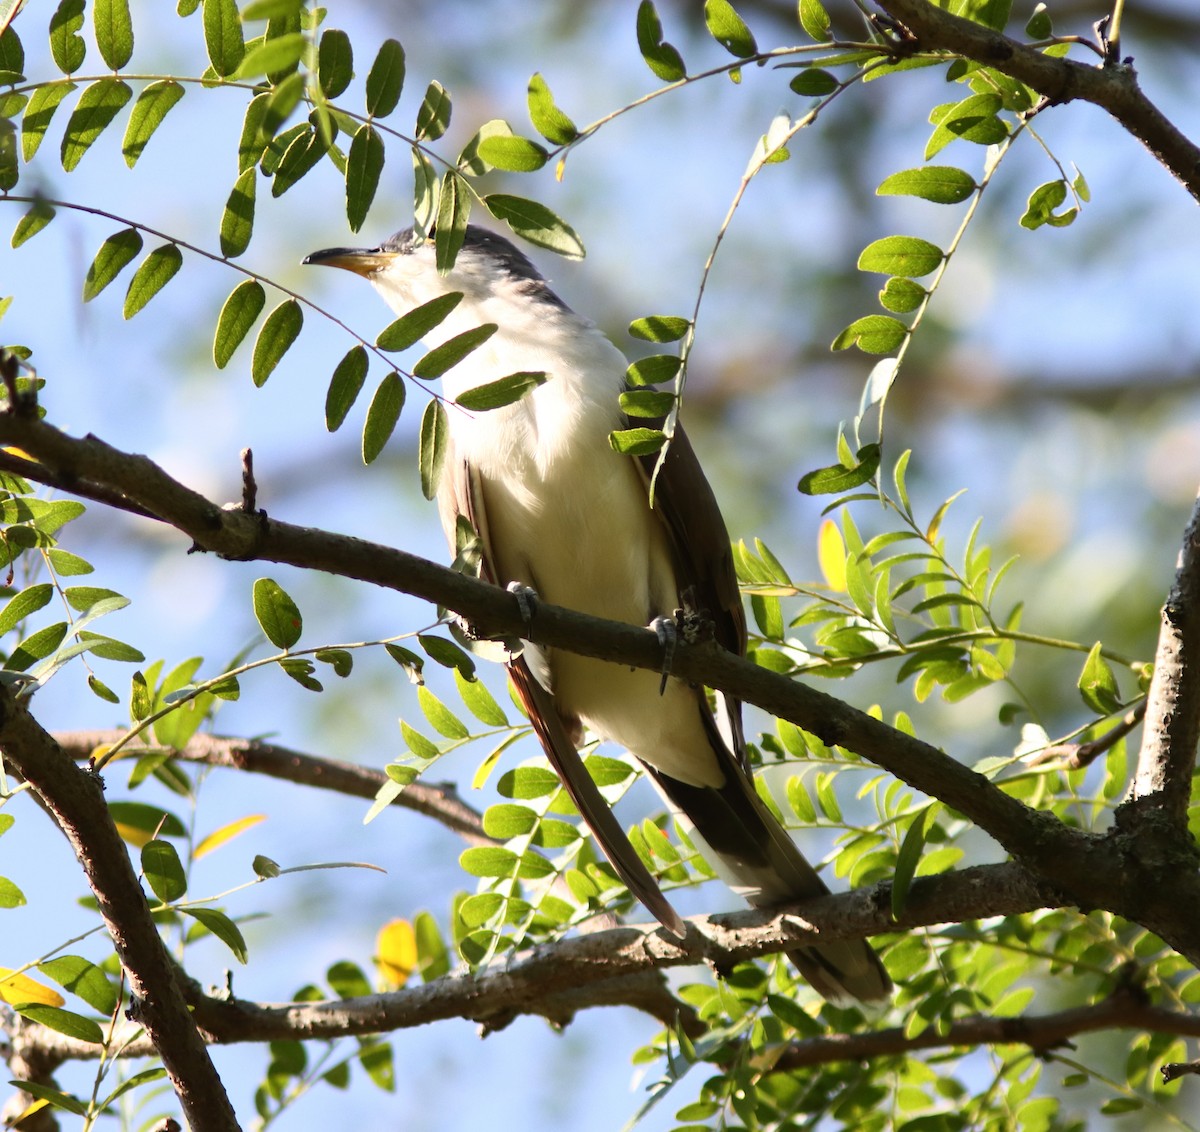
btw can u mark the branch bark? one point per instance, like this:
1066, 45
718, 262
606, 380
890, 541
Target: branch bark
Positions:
439, 801
236, 534
75, 798
1163, 780
1111, 86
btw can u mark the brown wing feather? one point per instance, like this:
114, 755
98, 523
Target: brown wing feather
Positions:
460, 494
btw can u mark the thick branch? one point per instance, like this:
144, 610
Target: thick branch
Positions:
438, 801
572, 970
236, 534
1172, 729
1111, 86
75, 797
1126, 1009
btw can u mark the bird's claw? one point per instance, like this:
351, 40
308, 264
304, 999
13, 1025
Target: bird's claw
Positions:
667, 632
527, 599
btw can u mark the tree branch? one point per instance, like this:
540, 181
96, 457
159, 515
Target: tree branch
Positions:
1163, 779
1111, 86
75, 798
1125, 1009
439, 801
233, 533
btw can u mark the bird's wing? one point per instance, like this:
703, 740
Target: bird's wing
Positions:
756, 853
684, 501
461, 493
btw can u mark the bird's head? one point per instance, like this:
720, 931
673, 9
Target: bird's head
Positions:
489, 271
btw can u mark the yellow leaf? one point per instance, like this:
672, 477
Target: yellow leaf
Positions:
134, 836
21, 453
396, 946
218, 837
22, 990
831, 554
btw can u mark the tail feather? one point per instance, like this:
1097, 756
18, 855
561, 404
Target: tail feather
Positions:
757, 858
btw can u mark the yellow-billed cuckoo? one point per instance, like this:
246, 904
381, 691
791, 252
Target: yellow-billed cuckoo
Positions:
558, 510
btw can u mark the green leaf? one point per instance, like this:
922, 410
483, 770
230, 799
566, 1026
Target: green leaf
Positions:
223, 36
503, 391
385, 80
647, 403
909, 256
489, 861
98, 105
238, 315
1098, 685
117, 252
38, 113
411, 327
508, 820
873, 334
990, 13
454, 208
1041, 205
812, 82
147, 115
549, 121
433, 116
10, 895
280, 53
254, 137
27, 602
237, 221
901, 295
280, 330
142, 818
382, 415
447, 654
814, 20
12, 53
54, 1097
441, 358
941, 184
303, 153
1040, 26
222, 927
654, 370
479, 701
164, 871
37, 646
729, 29
973, 119
84, 979
637, 441
136, 1081
660, 56
279, 106
301, 670
440, 717
345, 386
659, 328
364, 165
513, 153
66, 44
908, 858
840, 477
64, 1022
535, 223
347, 980
152, 275
114, 31
276, 613
431, 454
335, 62
341, 661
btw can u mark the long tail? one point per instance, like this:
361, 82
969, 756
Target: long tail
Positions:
757, 859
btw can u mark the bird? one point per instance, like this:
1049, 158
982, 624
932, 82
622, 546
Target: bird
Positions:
560, 513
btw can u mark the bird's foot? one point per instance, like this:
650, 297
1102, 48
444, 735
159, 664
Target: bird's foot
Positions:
527, 600
667, 631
